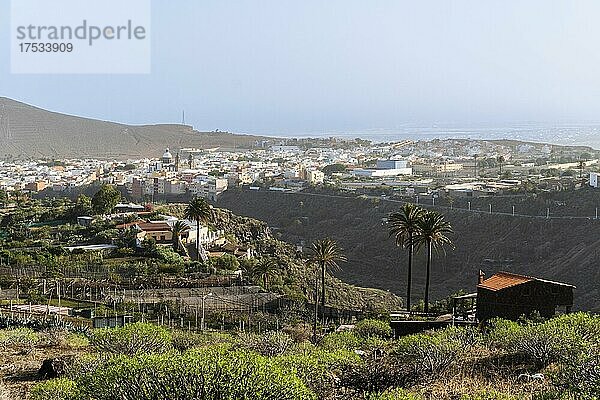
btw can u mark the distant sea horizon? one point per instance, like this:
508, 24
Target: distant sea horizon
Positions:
583, 134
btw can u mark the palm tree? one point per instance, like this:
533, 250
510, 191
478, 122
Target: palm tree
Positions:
265, 269
200, 211
327, 254
313, 267
501, 161
179, 228
404, 225
432, 234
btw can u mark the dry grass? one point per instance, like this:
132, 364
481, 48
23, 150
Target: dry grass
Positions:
20, 362
453, 388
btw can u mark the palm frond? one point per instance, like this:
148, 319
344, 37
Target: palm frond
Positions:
327, 252
404, 224
433, 229
199, 210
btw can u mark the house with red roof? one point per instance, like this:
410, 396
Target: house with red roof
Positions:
510, 296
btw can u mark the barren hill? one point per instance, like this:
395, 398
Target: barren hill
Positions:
31, 132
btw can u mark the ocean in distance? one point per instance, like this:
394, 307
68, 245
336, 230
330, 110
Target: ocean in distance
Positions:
561, 134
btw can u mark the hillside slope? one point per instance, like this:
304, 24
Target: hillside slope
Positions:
30, 132
564, 250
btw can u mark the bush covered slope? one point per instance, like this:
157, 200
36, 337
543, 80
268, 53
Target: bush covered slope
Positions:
551, 360
564, 250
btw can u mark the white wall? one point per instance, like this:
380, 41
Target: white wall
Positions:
594, 179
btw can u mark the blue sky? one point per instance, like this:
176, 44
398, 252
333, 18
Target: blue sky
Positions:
297, 67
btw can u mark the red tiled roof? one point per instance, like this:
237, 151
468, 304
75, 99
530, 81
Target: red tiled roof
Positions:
503, 280
154, 226
128, 224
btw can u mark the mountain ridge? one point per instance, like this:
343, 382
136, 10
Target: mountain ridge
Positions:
30, 132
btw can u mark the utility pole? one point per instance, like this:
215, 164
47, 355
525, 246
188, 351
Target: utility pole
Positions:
203, 301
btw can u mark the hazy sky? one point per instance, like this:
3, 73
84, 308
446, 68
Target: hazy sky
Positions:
284, 67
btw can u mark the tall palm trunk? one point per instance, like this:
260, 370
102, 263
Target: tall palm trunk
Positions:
323, 290
427, 276
198, 239
316, 306
409, 282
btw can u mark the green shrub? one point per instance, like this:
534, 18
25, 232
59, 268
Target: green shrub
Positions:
209, 373
76, 340
375, 374
544, 343
541, 344
132, 339
427, 355
268, 344
583, 329
318, 369
372, 327
579, 374
463, 337
227, 262
18, 337
55, 389
183, 340
502, 333
341, 341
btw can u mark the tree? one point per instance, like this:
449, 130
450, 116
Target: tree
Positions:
501, 162
404, 225
200, 211
127, 238
432, 235
333, 168
227, 261
266, 269
327, 254
105, 199
19, 197
3, 197
179, 228
82, 206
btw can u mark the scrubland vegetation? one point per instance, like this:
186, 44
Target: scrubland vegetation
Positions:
555, 359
